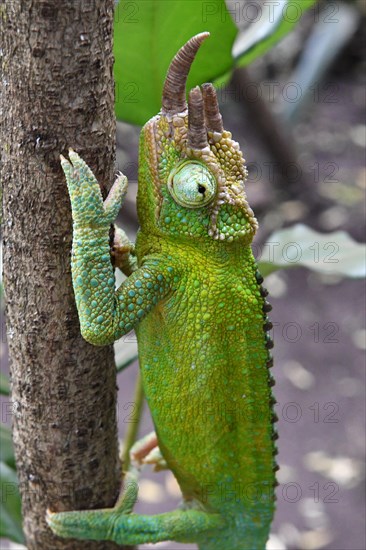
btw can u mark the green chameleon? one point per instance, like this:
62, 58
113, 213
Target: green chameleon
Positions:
194, 296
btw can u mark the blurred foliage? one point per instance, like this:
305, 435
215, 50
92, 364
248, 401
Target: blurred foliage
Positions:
6, 447
334, 253
10, 504
148, 33
4, 384
276, 20
319, 53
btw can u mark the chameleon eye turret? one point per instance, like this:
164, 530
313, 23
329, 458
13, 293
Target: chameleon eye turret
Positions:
192, 185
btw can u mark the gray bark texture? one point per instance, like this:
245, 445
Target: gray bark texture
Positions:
57, 92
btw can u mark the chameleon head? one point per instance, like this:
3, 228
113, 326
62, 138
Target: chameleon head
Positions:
192, 173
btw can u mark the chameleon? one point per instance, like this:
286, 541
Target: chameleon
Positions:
195, 298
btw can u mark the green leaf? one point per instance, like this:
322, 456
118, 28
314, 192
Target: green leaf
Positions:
4, 384
125, 351
148, 33
126, 363
6, 446
328, 253
275, 20
10, 505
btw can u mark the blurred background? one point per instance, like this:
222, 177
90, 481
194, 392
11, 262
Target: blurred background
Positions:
298, 114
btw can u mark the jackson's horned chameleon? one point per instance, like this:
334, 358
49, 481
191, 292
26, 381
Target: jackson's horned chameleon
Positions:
194, 296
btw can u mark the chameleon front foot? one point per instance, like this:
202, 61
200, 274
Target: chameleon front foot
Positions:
89, 211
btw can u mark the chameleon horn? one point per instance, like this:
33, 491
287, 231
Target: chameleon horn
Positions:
213, 116
174, 92
197, 136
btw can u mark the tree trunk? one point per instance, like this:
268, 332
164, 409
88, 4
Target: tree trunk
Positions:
57, 92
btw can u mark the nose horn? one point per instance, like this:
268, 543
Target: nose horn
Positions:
213, 116
197, 135
174, 91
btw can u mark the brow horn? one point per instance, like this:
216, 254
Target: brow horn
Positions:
212, 112
197, 136
174, 92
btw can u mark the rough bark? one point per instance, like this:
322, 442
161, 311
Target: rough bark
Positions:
57, 93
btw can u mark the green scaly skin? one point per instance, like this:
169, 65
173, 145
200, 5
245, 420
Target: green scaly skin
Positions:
196, 303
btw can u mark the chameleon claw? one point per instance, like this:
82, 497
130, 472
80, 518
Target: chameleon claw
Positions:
73, 156
78, 163
65, 162
66, 166
71, 152
114, 200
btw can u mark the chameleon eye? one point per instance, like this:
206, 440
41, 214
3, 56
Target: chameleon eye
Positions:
191, 184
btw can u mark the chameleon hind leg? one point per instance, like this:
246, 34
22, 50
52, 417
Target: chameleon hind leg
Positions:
119, 525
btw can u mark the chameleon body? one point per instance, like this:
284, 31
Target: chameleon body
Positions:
196, 302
